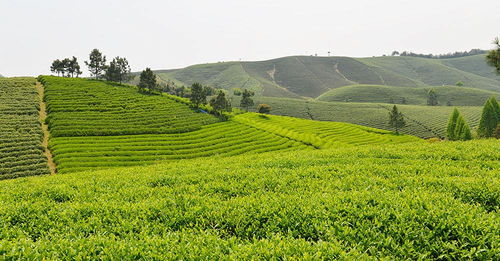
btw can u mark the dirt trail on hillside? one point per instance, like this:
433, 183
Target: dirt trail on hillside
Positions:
45, 129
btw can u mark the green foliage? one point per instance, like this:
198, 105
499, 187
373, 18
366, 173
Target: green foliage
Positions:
264, 108
21, 152
490, 118
147, 82
396, 119
403, 202
493, 57
246, 101
67, 67
220, 103
118, 70
462, 129
459, 83
198, 94
237, 91
452, 125
432, 99
497, 132
96, 63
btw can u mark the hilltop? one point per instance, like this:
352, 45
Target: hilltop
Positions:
310, 77
447, 95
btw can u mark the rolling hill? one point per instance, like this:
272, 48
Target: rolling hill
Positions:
310, 77
447, 95
97, 124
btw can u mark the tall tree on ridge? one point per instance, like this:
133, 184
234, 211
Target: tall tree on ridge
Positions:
220, 103
147, 81
96, 63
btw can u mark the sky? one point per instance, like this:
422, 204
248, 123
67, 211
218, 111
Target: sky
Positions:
174, 34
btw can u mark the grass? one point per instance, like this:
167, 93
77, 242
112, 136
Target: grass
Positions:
410, 201
21, 151
447, 95
310, 77
422, 121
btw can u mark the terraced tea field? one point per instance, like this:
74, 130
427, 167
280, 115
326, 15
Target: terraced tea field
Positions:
226, 138
422, 121
414, 201
21, 151
96, 125
82, 107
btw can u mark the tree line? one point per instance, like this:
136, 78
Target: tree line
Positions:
118, 70
440, 56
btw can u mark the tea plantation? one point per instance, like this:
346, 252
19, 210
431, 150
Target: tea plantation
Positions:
406, 201
21, 151
95, 124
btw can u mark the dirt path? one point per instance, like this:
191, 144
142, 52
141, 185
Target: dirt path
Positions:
45, 128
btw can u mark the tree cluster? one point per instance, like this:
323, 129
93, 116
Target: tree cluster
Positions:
118, 69
66, 67
458, 129
440, 56
220, 103
490, 118
147, 82
264, 108
396, 119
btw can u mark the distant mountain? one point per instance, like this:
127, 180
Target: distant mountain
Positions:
309, 77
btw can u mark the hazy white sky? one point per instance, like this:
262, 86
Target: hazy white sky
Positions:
172, 34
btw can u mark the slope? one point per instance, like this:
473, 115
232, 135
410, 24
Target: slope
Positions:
96, 124
422, 121
309, 77
404, 202
447, 95
21, 150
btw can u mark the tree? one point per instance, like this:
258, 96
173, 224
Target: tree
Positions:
118, 70
57, 67
490, 117
396, 119
493, 56
432, 98
237, 91
96, 63
462, 129
452, 125
73, 68
264, 108
198, 94
220, 103
395, 53
147, 81
246, 101
459, 84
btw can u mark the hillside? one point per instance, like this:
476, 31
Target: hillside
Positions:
21, 151
422, 121
96, 124
415, 201
447, 95
309, 77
